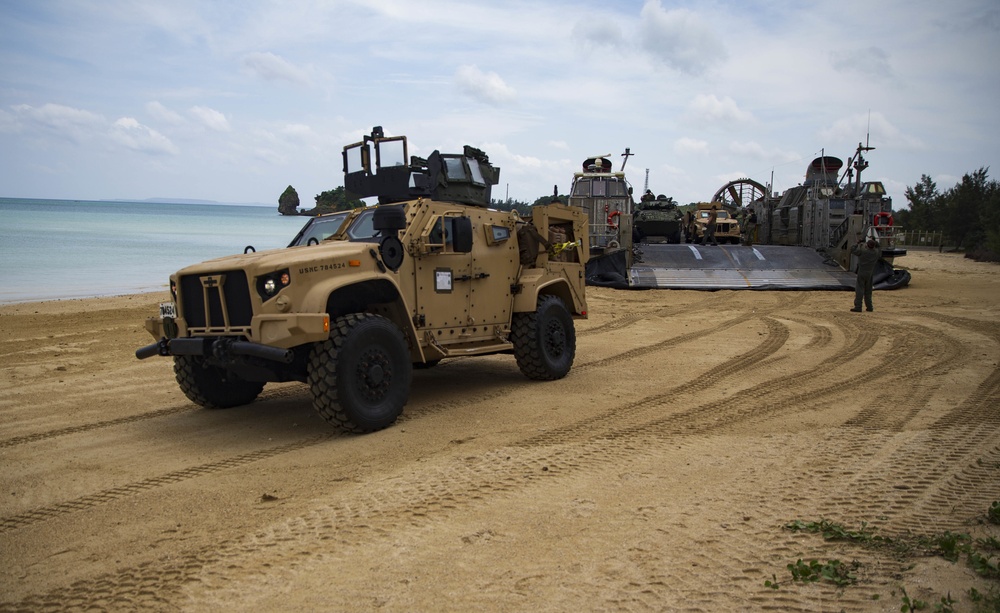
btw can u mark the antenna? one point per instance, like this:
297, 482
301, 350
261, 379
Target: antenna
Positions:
868, 133
628, 153
645, 188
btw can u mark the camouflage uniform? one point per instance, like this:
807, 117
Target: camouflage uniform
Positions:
868, 255
713, 216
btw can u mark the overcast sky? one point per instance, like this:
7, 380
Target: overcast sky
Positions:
233, 101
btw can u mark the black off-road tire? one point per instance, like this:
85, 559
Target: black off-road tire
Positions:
213, 387
360, 377
544, 341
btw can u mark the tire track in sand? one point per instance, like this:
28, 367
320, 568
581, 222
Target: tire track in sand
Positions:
421, 498
433, 493
267, 395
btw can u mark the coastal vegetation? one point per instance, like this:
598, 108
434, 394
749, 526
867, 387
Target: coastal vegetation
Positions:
330, 201
968, 214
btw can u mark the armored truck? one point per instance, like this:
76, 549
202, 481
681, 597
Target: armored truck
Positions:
727, 228
426, 274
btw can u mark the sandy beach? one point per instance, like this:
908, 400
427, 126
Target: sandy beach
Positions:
661, 474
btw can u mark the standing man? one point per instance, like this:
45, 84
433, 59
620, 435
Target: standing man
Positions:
869, 252
751, 227
713, 215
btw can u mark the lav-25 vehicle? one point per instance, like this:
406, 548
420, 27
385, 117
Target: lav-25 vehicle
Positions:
428, 273
657, 219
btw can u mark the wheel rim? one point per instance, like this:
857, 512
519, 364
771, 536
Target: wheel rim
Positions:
555, 339
373, 375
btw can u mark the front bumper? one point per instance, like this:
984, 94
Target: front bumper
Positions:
270, 337
223, 348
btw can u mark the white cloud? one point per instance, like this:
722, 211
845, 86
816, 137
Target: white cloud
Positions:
870, 62
686, 145
752, 149
712, 109
129, 132
211, 118
271, 67
297, 130
8, 123
878, 130
161, 113
486, 87
501, 154
597, 33
63, 121
679, 38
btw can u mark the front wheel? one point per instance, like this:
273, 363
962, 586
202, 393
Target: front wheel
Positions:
213, 387
360, 376
544, 341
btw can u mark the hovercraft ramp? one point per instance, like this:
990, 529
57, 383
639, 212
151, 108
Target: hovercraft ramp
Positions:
764, 267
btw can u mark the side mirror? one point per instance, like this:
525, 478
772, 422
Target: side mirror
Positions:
462, 241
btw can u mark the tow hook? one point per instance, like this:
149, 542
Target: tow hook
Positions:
158, 348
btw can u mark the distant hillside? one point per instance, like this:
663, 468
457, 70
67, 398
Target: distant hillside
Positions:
179, 201
196, 201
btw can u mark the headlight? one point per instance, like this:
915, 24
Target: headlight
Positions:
269, 285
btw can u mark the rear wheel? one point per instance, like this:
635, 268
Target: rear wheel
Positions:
360, 376
213, 387
544, 341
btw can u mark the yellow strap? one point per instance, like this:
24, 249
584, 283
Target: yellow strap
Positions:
558, 248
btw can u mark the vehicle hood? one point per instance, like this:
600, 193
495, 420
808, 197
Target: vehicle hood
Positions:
288, 257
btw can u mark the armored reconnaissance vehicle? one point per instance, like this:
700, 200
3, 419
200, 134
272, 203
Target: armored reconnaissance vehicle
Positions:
657, 219
428, 273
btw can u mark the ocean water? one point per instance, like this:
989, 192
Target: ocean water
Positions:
56, 249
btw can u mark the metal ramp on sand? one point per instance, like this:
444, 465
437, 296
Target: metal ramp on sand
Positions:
762, 267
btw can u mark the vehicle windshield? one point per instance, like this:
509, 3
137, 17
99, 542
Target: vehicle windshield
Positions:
362, 228
319, 228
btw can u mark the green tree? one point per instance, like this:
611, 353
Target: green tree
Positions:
288, 202
338, 199
968, 214
964, 204
990, 214
926, 207
547, 199
510, 204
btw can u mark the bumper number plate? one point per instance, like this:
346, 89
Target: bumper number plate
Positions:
168, 309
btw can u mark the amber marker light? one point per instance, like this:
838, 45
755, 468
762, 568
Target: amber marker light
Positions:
354, 263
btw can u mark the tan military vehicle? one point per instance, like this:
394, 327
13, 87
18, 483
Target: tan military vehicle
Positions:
429, 273
727, 228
